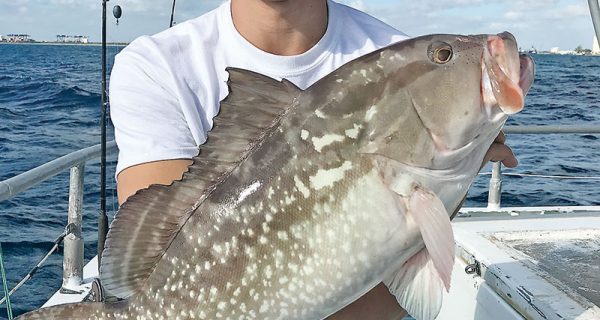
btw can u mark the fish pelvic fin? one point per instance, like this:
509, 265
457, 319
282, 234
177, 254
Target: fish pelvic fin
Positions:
417, 287
148, 222
77, 311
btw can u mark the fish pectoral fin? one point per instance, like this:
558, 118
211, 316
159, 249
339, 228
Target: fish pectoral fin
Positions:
434, 223
417, 286
427, 210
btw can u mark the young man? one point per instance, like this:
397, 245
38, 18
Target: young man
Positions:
166, 89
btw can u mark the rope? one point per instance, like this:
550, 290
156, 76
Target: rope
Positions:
545, 176
29, 275
5, 285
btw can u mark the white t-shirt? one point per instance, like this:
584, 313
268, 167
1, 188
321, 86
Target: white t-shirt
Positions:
165, 89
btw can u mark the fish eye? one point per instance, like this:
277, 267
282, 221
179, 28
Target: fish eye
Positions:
440, 52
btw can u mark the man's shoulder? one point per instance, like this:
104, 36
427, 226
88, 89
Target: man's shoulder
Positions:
367, 24
173, 41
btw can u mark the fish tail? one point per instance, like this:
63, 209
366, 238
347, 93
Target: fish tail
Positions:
77, 311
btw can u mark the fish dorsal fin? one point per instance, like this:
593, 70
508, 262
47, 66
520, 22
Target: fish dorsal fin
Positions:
148, 221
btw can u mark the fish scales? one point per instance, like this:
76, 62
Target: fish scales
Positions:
302, 201
281, 239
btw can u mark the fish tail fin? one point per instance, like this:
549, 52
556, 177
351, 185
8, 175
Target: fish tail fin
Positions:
77, 311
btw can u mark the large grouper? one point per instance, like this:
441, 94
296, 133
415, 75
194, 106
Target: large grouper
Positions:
302, 201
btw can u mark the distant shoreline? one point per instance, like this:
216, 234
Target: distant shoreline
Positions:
91, 44
566, 54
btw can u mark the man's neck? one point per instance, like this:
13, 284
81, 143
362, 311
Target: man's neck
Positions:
284, 27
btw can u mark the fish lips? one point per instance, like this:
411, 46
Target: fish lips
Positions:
506, 75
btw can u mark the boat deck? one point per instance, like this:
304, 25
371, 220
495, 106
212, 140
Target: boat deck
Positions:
529, 263
543, 263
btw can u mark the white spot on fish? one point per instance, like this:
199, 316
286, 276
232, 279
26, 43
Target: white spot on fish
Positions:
265, 227
304, 134
353, 133
270, 193
301, 187
289, 200
248, 191
293, 267
326, 178
282, 235
363, 72
320, 114
320, 143
308, 270
370, 113
264, 307
268, 272
263, 240
339, 80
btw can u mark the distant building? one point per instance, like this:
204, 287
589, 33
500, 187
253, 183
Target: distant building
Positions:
595, 47
17, 38
556, 50
71, 39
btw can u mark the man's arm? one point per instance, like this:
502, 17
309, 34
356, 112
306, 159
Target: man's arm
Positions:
141, 176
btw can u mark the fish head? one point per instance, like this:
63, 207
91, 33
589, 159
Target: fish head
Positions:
460, 89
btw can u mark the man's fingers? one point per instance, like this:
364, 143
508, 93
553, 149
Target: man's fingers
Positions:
502, 153
501, 138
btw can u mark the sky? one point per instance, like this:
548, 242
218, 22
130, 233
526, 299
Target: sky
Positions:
540, 23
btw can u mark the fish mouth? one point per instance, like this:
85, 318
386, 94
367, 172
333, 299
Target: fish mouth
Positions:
507, 76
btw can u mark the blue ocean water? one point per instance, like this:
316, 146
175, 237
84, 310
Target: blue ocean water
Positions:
50, 106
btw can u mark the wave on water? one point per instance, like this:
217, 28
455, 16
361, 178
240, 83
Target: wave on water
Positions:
6, 113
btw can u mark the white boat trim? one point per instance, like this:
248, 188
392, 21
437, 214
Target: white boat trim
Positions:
510, 274
90, 272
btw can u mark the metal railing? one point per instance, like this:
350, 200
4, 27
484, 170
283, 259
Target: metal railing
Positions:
495, 185
73, 240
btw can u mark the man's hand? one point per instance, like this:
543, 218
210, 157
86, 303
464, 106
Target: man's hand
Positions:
499, 152
377, 304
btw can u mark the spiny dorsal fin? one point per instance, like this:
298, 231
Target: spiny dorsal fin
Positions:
147, 223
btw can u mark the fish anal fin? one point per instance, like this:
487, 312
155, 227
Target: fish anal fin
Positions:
148, 221
417, 287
